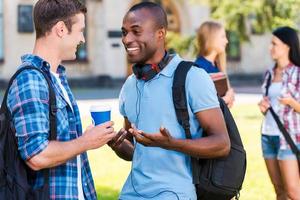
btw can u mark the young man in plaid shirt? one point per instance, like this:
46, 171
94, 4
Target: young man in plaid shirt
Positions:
59, 30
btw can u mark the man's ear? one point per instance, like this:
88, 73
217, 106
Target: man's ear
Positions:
162, 32
60, 29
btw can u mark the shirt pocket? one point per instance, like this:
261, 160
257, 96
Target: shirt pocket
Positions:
62, 120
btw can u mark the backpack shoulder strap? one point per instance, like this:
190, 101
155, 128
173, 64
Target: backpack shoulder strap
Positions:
179, 96
52, 107
180, 105
52, 98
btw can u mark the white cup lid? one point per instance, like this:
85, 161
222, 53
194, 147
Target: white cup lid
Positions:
100, 108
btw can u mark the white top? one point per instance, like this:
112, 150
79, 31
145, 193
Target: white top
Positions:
269, 126
79, 181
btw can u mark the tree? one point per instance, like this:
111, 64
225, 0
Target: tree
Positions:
242, 18
254, 16
184, 45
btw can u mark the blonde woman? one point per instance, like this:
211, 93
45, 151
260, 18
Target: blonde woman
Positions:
212, 41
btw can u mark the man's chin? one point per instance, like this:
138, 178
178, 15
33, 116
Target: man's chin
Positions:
70, 58
133, 59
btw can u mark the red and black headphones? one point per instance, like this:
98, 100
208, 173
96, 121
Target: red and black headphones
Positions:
147, 71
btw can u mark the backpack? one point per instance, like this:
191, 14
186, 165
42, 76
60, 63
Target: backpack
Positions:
14, 172
217, 178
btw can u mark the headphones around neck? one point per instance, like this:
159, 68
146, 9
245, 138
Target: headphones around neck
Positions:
147, 71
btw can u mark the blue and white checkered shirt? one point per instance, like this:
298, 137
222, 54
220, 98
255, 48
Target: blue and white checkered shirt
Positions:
28, 102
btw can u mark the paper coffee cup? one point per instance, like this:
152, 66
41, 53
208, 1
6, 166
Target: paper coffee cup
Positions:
100, 113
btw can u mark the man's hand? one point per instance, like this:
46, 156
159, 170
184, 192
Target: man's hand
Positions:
162, 139
58, 152
97, 136
118, 139
264, 105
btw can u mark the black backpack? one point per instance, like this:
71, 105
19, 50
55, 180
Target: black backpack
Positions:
14, 173
219, 178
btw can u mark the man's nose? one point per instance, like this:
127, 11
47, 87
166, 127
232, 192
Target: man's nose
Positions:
127, 39
82, 40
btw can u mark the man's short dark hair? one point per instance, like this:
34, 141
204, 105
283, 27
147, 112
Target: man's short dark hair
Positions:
156, 10
48, 12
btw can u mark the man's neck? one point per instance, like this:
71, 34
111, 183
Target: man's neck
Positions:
157, 57
47, 52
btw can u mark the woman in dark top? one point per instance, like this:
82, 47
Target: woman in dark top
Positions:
212, 41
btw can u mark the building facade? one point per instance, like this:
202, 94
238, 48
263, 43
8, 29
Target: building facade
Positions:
103, 54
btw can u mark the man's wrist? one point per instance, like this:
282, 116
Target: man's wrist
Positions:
174, 144
82, 143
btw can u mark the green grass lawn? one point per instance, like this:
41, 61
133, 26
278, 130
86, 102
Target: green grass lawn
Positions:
110, 172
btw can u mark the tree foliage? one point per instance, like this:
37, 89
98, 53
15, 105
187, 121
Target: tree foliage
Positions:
254, 16
242, 17
184, 45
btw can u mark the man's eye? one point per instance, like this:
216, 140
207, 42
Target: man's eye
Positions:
124, 33
137, 32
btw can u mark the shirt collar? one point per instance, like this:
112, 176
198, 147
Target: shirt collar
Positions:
286, 70
39, 62
169, 70
203, 60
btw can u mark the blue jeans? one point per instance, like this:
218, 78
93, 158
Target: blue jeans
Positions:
271, 149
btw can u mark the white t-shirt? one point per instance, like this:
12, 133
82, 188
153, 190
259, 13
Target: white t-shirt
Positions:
79, 181
269, 126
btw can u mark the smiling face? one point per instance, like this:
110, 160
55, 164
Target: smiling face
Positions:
72, 39
141, 37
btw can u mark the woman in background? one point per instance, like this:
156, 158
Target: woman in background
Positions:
212, 41
284, 97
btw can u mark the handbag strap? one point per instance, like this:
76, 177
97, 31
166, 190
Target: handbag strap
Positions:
286, 135
269, 81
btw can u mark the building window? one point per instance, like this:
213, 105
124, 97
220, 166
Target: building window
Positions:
1, 32
25, 19
233, 49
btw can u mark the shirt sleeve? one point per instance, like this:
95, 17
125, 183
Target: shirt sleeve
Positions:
122, 101
200, 89
293, 84
28, 103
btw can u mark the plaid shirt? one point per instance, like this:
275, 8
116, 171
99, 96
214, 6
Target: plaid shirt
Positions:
289, 117
28, 102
